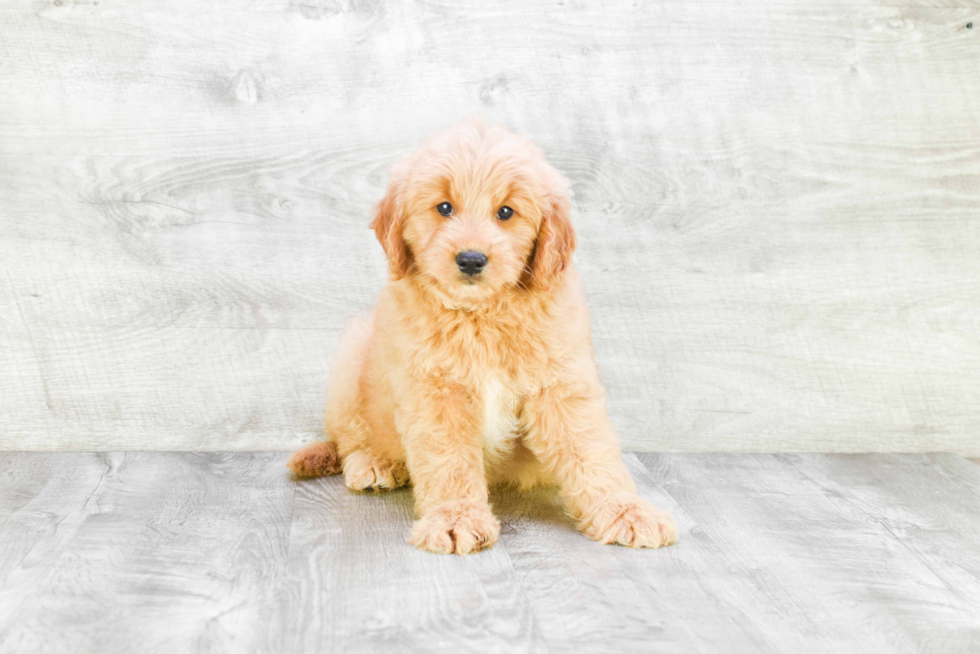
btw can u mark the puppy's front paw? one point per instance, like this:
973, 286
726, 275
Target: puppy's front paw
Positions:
457, 526
628, 519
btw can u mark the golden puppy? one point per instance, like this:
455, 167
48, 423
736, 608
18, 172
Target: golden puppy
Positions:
476, 367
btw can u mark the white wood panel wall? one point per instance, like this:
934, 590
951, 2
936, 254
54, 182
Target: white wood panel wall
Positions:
778, 206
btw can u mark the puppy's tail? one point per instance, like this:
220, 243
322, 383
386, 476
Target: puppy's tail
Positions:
317, 459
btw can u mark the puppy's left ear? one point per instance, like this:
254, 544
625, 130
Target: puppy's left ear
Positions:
555, 244
387, 225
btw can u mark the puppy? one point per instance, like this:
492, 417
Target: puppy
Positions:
476, 367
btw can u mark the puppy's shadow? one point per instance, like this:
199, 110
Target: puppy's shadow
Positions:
512, 507
540, 505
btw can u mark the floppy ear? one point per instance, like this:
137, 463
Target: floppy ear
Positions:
387, 224
555, 244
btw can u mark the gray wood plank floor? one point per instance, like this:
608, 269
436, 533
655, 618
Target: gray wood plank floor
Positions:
179, 552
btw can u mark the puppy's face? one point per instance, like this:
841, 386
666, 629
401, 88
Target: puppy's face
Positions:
477, 210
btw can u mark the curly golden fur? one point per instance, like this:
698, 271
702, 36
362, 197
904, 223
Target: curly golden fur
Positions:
459, 381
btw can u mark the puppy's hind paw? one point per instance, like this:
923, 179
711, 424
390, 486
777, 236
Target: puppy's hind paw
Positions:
628, 519
315, 460
456, 527
365, 472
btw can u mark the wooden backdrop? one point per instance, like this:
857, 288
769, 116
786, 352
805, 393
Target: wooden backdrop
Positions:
778, 205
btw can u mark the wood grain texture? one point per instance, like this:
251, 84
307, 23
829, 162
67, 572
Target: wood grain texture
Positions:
354, 584
778, 204
814, 563
140, 552
222, 552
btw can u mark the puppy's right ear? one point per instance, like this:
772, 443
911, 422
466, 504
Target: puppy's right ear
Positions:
387, 224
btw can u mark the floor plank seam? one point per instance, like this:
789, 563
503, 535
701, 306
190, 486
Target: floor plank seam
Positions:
278, 600
537, 630
898, 539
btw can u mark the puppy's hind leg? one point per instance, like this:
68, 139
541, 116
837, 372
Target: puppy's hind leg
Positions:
343, 423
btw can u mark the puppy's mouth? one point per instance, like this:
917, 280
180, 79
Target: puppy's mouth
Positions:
472, 285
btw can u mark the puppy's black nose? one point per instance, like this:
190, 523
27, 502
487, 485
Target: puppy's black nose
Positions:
470, 262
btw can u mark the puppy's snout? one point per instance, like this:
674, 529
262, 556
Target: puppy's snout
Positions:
471, 262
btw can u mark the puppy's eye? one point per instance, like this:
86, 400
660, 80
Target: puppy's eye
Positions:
504, 213
445, 209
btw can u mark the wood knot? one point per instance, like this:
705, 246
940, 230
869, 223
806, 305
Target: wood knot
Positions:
244, 87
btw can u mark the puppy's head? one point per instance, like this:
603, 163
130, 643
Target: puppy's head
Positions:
475, 211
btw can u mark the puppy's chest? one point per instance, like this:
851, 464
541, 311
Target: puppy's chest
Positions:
494, 348
499, 423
